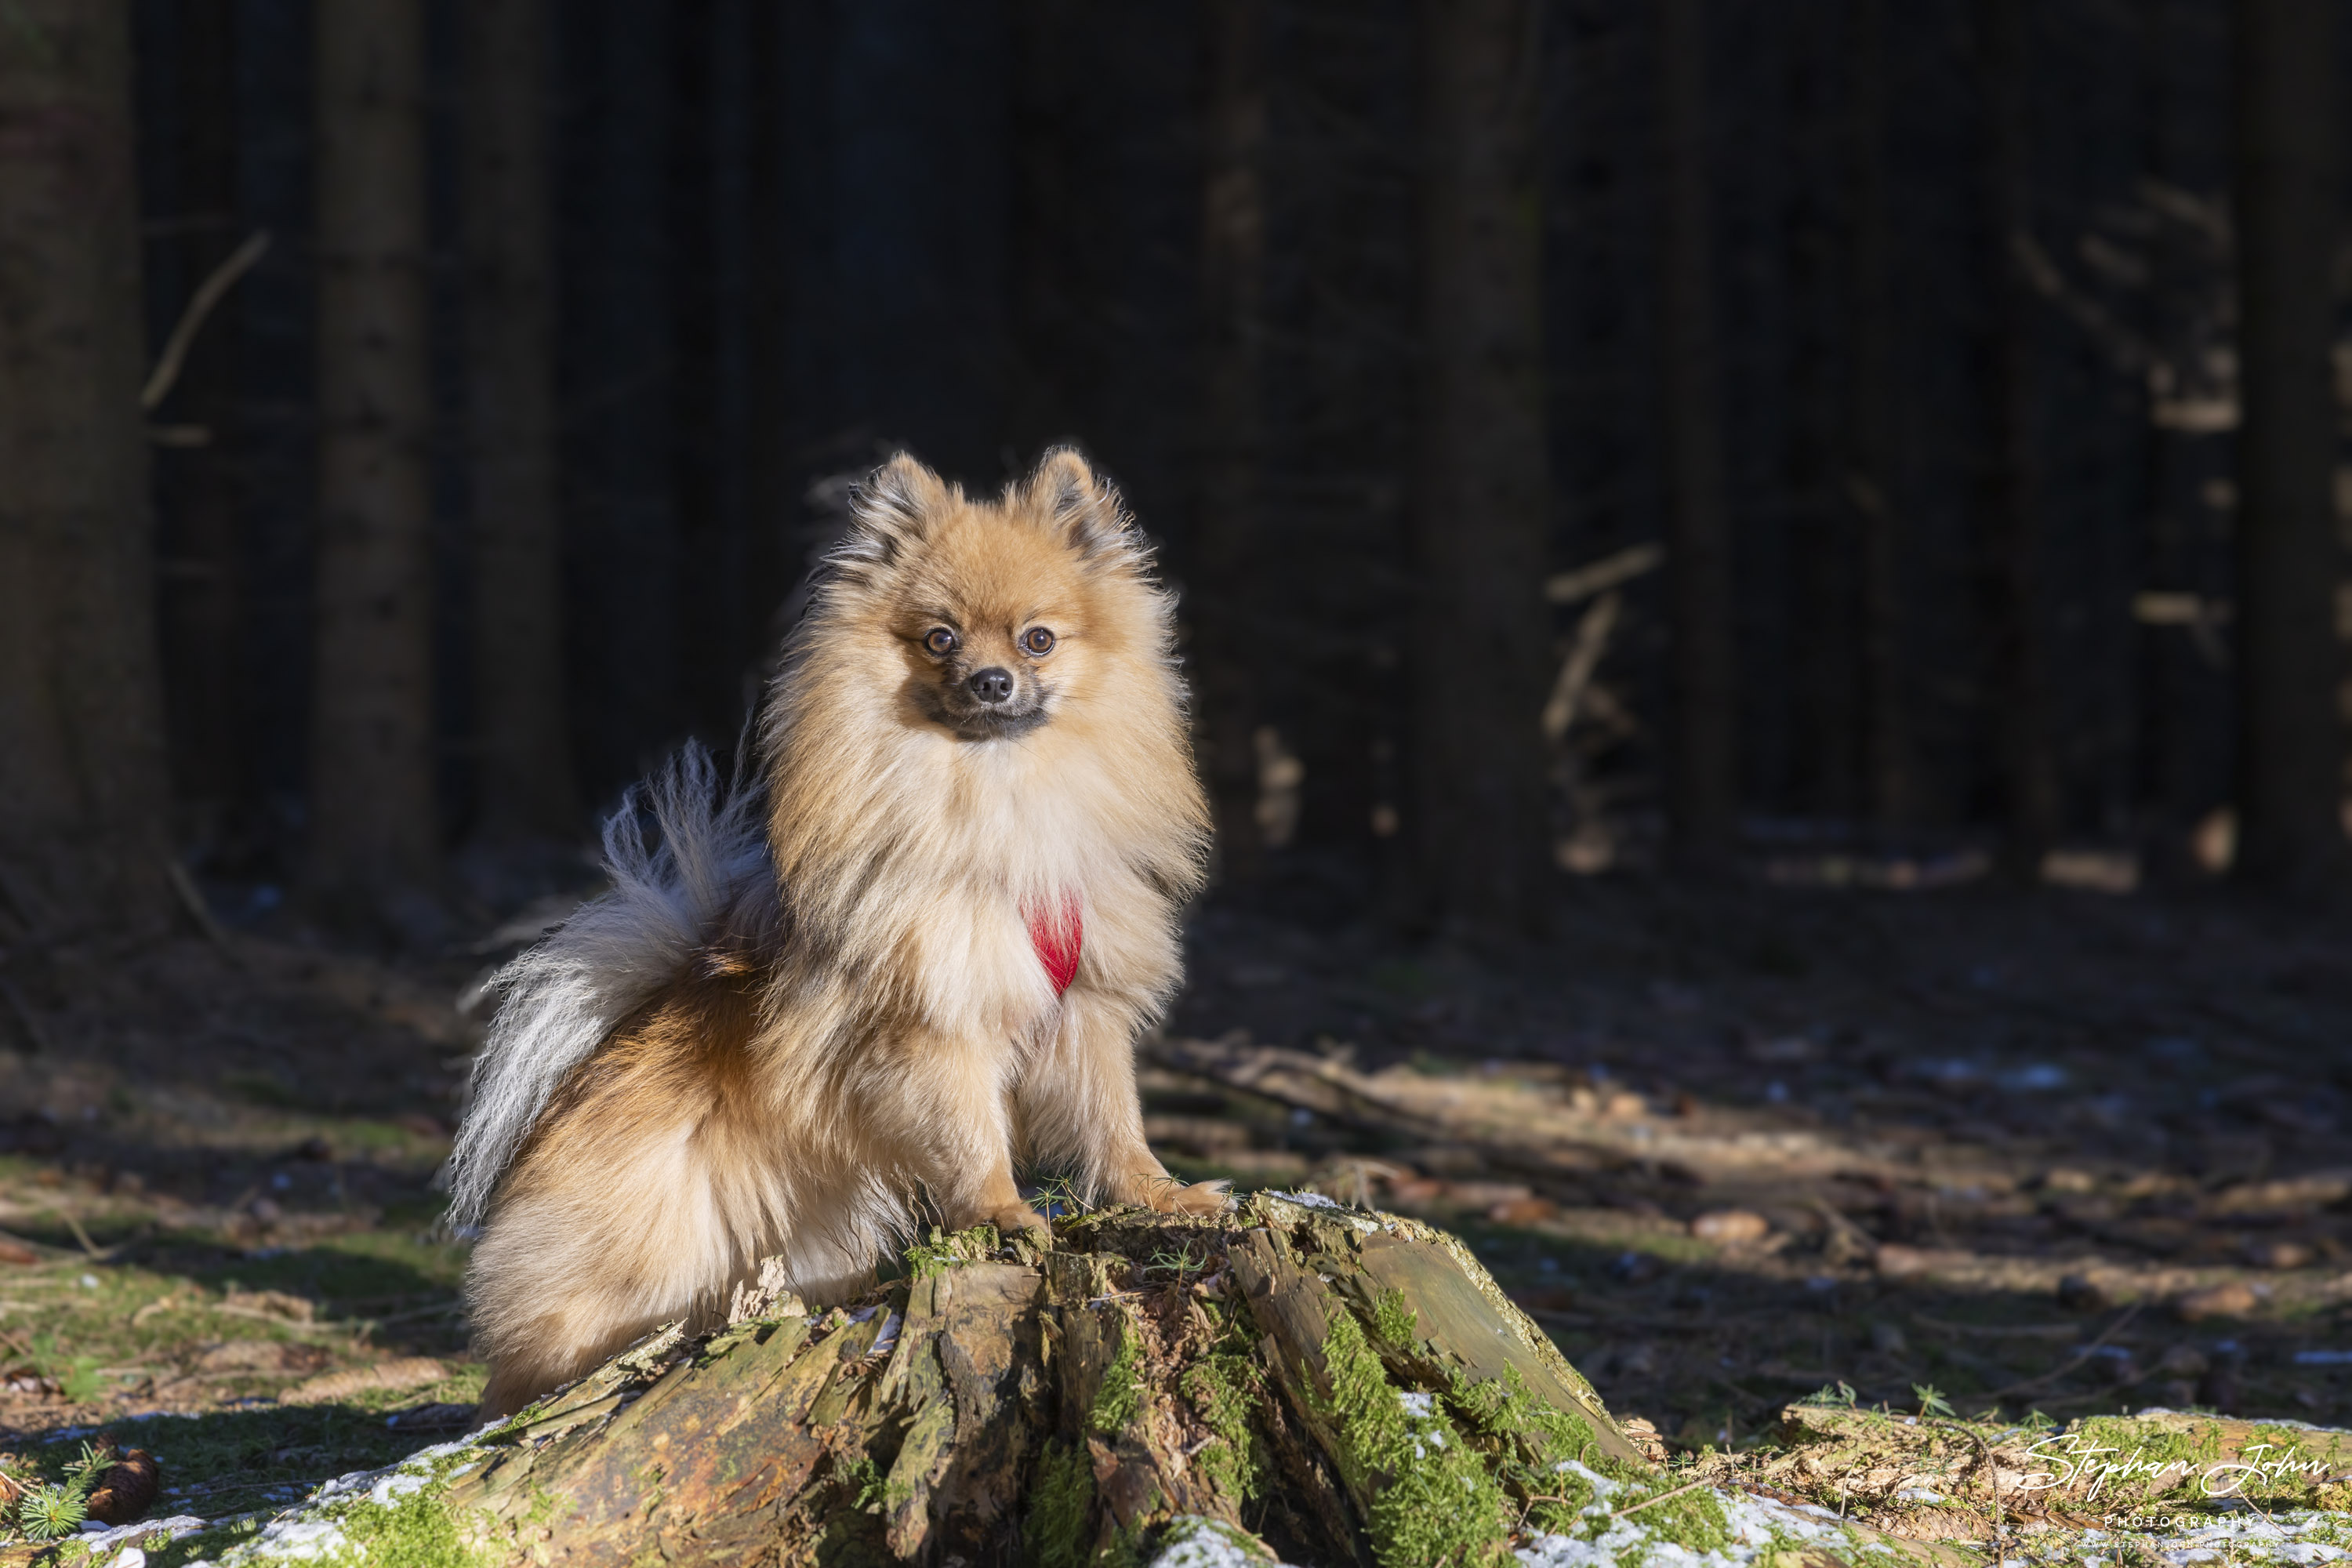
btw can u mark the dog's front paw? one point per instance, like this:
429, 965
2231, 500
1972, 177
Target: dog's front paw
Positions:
1172, 1196
1012, 1219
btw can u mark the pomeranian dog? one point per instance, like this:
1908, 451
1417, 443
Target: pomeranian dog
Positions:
918, 949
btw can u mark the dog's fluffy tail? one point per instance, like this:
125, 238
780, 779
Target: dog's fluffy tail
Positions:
670, 891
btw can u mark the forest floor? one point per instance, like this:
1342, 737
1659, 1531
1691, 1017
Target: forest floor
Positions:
2054, 1151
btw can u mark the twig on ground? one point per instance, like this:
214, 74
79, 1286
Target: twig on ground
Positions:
2063, 1400
1638, 1506
2085, 1354
438, 1309
1999, 1330
89, 1247
1992, 1480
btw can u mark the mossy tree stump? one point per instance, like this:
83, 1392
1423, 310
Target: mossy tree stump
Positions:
1345, 1386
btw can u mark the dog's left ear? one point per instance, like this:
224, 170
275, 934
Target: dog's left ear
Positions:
1080, 507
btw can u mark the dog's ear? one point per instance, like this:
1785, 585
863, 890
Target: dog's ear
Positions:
1081, 508
892, 509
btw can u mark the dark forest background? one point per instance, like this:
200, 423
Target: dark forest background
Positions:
1839, 440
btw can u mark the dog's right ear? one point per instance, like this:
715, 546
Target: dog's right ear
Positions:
892, 509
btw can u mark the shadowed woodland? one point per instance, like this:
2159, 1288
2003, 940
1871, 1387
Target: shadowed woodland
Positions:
1763, 585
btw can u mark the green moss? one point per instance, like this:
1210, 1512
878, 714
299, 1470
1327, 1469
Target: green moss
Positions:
944, 1250
1223, 1387
413, 1532
1124, 1550
1061, 1508
866, 1484
1502, 1409
1392, 1321
416, 1529
206, 1545
1694, 1519
1432, 1500
1541, 1453
1529, 1441
1121, 1396
1232, 1537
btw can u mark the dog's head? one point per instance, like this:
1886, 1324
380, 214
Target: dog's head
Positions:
998, 612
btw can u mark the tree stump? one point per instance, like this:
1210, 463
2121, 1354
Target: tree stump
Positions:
1327, 1384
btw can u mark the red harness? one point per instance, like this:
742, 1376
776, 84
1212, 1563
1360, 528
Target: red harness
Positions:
1056, 934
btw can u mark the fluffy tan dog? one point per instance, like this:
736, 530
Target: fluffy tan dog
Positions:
919, 949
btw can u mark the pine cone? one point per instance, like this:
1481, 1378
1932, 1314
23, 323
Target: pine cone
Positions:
127, 1489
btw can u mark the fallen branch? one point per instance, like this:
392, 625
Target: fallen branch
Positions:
2086, 1352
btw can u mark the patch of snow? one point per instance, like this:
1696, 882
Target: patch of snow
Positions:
1758, 1527
1193, 1542
2236, 1536
97, 1538
310, 1530
295, 1540
1602, 1486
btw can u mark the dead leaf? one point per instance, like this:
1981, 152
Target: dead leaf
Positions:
2279, 1254
1731, 1228
2233, 1300
244, 1355
408, 1372
272, 1304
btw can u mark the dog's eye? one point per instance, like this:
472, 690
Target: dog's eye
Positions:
1037, 640
940, 641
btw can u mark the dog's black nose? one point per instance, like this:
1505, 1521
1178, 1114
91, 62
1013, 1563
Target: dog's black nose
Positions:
992, 685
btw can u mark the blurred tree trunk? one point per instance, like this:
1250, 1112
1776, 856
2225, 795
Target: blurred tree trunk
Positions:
1233, 256
773, 480
2290, 746
374, 844
1870, 401
1478, 659
1705, 781
203, 584
710, 573
83, 788
527, 786
2011, 527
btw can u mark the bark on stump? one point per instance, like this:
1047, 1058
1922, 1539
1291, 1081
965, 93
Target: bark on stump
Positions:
1348, 1386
